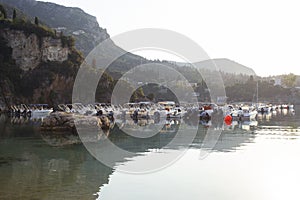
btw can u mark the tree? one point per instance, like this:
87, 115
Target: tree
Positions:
14, 14
36, 21
289, 80
2, 12
151, 96
251, 79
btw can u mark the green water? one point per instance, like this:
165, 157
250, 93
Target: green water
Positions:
246, 163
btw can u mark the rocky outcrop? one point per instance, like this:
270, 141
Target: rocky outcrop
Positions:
61, 122
30, 50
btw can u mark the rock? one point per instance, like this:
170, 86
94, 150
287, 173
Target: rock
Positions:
60, 129
66, 122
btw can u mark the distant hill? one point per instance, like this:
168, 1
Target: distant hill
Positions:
230, 66
224, 65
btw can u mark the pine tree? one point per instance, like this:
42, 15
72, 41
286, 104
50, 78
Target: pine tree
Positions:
14, 15
36, 21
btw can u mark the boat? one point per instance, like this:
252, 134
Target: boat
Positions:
168, 109
40, 110
240, 112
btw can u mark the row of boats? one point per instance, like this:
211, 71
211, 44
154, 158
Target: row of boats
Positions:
32, 110
149, 110
242, 112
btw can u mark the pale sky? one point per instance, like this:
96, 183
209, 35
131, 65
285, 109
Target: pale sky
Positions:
263, 35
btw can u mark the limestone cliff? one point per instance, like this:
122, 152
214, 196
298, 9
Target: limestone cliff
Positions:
36, 64
29, 51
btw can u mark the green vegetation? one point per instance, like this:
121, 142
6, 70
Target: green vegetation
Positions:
267, 91
34, 28
153, 92
289, 80
27, 27
138, 95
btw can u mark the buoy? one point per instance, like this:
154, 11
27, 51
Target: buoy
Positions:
228, 120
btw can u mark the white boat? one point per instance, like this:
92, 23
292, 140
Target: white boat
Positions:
284, 106
40, 110
243, 113
249, 112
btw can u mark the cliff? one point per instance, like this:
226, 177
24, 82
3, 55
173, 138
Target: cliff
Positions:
36, 65
29, 51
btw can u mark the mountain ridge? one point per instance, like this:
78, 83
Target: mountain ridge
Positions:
221, 64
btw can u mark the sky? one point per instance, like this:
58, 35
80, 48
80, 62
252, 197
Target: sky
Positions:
261, 34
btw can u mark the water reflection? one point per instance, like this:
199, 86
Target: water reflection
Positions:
30, 167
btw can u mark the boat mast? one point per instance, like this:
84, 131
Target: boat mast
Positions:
257, 94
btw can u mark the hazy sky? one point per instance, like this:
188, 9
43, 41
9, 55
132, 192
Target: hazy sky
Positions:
263, 35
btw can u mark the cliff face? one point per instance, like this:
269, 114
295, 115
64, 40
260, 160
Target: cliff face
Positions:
30, 51
36, 64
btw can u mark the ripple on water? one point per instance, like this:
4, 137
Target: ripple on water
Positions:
287, 132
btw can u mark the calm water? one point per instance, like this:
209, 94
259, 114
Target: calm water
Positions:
246, 163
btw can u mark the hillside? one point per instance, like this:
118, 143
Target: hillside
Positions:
228, 66
224, 65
